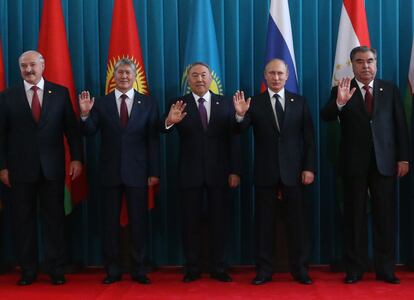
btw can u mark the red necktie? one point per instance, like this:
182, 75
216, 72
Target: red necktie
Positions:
36, 109
369, 100
123, 112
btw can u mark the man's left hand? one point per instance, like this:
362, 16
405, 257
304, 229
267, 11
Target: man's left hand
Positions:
75, 169
153, 181
234, 180
402, 168
307, 177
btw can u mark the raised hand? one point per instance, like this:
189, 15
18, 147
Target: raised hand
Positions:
85, 103
240, 105
176, 113
344, 93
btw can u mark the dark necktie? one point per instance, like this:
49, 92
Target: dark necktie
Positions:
369, 100
36, 109
279, 111
203, 112
123, 111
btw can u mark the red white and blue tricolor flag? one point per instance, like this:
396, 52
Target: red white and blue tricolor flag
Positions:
279, 42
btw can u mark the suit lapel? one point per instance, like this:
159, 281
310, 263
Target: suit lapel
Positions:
214, 109
377, 91
24, 102
289, 106
192, 110
46, 103
113, 109
266, 104
137, 106
359, 99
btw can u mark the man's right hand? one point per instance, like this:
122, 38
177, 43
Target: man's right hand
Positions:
240, 105
344, 93
4, 177
176, 113
85, 103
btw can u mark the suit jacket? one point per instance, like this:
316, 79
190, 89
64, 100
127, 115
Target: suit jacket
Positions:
386, 131
128, 156
206, 157
280, 155
26, 147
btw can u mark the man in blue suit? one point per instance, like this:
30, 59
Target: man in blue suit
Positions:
284, 162
129, 163
373, 152
209, 164
34, 117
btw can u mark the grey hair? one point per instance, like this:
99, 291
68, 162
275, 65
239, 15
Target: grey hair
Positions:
125, 62
40, 56
199, 63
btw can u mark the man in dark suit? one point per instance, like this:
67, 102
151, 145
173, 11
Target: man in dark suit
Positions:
373, 151
34, 117
129, 163
284, 162
209, 163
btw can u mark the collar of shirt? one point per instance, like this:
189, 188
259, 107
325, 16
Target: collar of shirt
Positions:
130, 94
28, 86
281, 94
128, 101
29, 92
361, 86
206, 96
207, 103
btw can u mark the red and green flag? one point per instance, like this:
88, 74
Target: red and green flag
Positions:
53, 46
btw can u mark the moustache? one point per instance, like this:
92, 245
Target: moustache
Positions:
29, 73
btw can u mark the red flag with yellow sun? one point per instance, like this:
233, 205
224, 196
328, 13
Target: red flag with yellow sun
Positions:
124, 43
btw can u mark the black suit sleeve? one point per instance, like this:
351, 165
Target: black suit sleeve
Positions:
235, 148
401, 129
309, 141
72, 130
330, 111
3, 132
90, 125
153, 141
161, 122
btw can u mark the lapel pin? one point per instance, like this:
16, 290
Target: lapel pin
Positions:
291, 99
49, 91
381, 89
217, 102
139, 102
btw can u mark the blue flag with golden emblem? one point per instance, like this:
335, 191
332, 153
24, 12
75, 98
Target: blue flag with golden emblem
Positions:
201, 44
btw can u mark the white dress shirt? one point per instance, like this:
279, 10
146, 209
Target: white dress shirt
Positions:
29, 91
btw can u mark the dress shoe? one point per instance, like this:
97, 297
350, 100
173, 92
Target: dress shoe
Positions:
388, 278
221, 276
25, 280
58, 279
261, 279
143, 279
111, 279
303, 279
188, 277
352, 278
